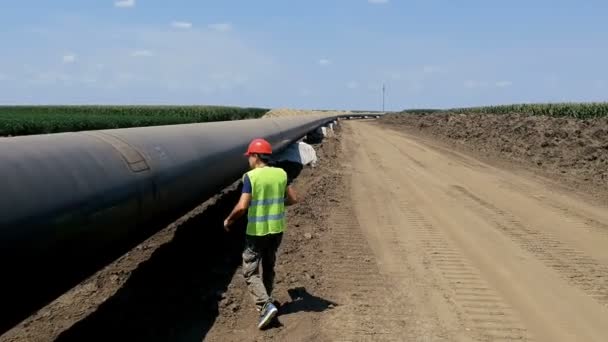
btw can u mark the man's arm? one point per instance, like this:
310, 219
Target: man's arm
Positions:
292, 196
239, 210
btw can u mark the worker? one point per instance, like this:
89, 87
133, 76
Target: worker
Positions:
265, 194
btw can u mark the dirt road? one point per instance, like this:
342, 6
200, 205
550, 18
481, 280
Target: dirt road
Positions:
465, 251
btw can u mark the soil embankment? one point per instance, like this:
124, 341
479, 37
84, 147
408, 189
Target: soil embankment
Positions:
577, 149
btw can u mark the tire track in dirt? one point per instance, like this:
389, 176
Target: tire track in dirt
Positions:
368, 309
574, 217
364, 311
573, 265
480, 308
456, 157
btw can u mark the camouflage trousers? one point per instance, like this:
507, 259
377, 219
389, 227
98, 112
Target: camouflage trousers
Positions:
260, 251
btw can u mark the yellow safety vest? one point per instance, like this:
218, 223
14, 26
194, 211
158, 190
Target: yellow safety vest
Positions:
267, 208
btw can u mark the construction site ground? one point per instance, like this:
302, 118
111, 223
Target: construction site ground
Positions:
399, 237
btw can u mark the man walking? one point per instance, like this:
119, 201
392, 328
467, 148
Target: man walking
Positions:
265, 194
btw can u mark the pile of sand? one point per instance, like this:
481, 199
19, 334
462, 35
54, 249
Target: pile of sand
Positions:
281, 112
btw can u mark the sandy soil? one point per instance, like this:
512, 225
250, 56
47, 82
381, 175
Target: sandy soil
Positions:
398, 238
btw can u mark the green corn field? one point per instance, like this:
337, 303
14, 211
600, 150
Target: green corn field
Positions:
26, 120
573, 110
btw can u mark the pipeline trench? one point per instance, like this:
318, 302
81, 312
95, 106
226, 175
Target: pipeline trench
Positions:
397, 238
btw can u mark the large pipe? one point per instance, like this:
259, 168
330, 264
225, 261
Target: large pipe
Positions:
73, 202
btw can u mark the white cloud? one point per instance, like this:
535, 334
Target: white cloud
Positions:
221, 27
352, 85
378, 2
431, 69
142, 53
124, 77
89, 80
471, 84
305, 92
504, 84
50, 78
181, 24
159, 59
324, 62
69, 58
124, 3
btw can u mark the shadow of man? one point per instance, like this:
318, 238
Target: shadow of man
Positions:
301, 300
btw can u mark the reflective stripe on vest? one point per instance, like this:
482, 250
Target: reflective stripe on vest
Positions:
267, 208
268, 201
266, 218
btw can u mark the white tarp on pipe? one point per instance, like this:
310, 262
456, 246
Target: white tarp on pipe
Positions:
299, 152
325, 132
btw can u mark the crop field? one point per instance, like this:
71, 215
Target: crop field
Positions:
572, 110
26, 120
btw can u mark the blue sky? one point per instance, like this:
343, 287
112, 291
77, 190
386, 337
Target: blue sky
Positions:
303, 54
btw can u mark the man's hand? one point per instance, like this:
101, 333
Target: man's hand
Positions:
227, 225
292, 196
239, 210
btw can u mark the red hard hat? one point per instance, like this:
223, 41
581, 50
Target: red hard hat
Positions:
259, 146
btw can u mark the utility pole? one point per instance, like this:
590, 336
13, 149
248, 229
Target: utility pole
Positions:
383, 96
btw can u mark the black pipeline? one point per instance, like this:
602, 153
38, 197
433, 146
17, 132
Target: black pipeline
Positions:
73, 202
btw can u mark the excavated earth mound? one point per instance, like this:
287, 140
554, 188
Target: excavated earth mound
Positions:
574, 148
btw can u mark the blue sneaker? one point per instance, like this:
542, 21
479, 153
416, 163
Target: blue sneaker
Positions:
268, 313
